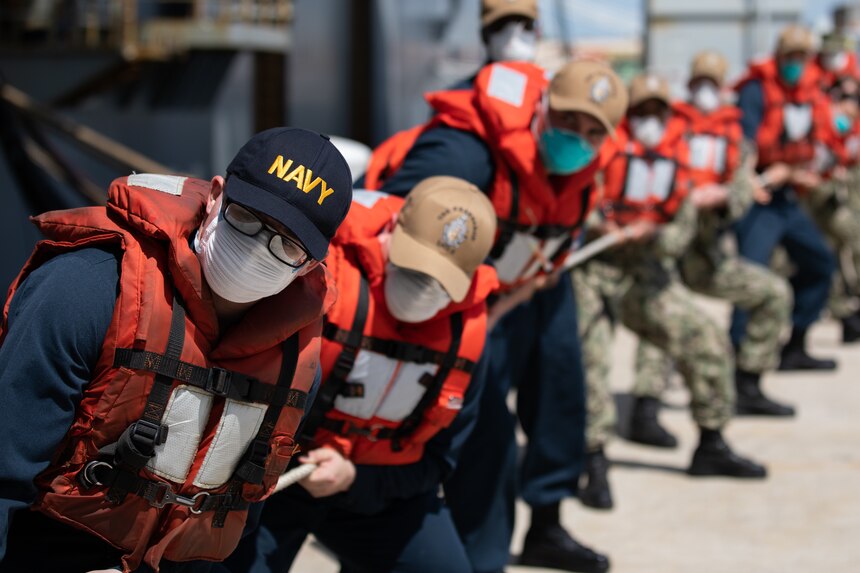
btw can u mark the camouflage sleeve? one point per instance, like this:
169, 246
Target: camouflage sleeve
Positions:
823, 193
674, 238
740, 187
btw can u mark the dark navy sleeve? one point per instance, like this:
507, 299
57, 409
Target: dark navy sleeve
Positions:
375, 486
444, 151
751, 104
58, 320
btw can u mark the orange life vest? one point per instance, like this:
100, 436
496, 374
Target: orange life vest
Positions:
786, 133
836, 149
220, 410
538, 213
389, 386
641, 184
713, 140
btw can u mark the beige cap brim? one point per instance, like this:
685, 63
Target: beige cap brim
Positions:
504, 12
558, 103
408, 253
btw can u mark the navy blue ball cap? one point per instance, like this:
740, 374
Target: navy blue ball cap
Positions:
297, 177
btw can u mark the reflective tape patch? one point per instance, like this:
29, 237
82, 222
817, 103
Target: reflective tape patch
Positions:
170, 184
185, 416
797, 120
507, 85
367, 197
239, 423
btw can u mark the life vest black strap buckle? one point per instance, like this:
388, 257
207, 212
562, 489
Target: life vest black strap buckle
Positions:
145, 435
159, 494
218, 381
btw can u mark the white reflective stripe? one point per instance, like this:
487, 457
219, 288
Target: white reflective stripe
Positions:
549, 248
366, 197
647, 180
797, 120
170, 184
185, 416
516, 256
375, 372
507, 85
708, 152
392, 389
824, 159
852, 147
239, 423
406, 391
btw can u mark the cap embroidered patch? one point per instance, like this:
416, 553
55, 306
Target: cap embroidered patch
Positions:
601, 89
454, 232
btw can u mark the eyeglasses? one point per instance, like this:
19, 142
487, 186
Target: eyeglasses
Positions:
282, 247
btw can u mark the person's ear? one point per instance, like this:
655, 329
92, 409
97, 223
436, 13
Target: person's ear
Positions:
216, 190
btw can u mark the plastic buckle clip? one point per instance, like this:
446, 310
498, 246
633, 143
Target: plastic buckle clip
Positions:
146, 435
218, 382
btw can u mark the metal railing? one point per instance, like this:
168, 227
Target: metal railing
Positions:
117, 24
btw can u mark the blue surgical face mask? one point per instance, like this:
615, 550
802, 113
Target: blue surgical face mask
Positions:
842, 123
564, 152
790, 72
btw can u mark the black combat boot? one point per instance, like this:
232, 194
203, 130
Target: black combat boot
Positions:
794, 356
548, 545
644, 426
851, 328
713, 457
596, 492
751, 400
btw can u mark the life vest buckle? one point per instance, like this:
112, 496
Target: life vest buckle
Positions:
161, 494
370, 433
218, 382
88, 476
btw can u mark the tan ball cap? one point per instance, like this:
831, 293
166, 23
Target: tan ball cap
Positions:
592, 88
649, 86
445, 229
492, 10
794, 38
711, 65
833, 42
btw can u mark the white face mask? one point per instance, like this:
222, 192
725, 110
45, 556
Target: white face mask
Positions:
512, 42
648, 130
412, 296
706, 97
835, 62
240, 268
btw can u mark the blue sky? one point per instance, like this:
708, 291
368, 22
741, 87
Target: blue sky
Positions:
623, 18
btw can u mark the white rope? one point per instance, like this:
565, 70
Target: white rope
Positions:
590, 250
296, 474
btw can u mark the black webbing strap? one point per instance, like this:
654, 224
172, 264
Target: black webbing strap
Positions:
217, 381
413, 420
157, 493
347, 428
507, 226
397, 349
136, 445
252, 466
331, 387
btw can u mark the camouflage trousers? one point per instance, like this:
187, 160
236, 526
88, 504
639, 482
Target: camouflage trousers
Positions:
659, 309
764, 294
838, 218
598, 289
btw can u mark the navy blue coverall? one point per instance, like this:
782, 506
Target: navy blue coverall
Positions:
782, 221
